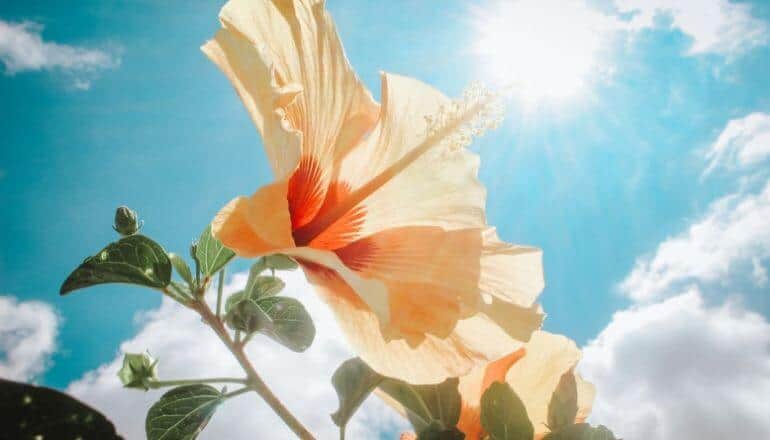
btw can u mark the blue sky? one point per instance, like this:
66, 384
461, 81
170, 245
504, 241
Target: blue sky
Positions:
600, 180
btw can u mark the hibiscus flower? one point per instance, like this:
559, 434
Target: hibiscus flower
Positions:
379, 203
534, 373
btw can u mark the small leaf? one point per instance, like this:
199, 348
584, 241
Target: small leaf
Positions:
134, 259
503, 414
181, 267
30, 412
416, 410
247, 316
279, 262
211, 253
262, 286
258, 286
581, 431
234, 299
443, 400
179, 292
291, 324
563, 407
182, 413
353, 381
437, 431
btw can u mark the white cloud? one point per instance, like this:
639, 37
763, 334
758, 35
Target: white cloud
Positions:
743, 142
673, 366
716, 26
22, 48
723, 243
27, 337
188, 349
680, 369
758, 272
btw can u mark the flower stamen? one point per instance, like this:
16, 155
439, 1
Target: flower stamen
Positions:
454, 125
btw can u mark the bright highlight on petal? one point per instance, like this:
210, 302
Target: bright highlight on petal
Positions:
544, 49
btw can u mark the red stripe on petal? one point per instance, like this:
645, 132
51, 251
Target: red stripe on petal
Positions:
305, 194
307, 200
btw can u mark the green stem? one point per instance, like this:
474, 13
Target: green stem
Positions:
237, 392
247, 338
197, 270
185, 301
219, 291
255, 381
179, 382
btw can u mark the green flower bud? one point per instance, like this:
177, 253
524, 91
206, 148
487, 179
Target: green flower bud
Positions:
139, 370
126, 221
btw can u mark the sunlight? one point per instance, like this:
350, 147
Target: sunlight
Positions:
545, 49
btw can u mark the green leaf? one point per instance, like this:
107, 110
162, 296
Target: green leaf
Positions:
417, 411
181, 267
247, 316
353, 381
30, 412
437, 431
262, 286
179, 292
563, 406
581, 431
443, 400
211, 253
503, 414
291, 325
279, 262
234, 299
134, 259
182, 413
432, 409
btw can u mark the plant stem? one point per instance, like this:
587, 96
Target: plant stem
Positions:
171, 383
219, 291
237, 392
247, 338
255, 381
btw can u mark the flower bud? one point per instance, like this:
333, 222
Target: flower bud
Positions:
138, 370
126, 221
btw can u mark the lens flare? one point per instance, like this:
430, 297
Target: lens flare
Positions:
542, 48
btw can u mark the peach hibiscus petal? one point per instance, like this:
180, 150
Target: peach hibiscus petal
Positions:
533, 373
473, 385
432, 360
438, 187
536, 376
287, 63
256, 225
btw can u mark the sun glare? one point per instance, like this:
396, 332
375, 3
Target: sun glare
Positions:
544, 49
